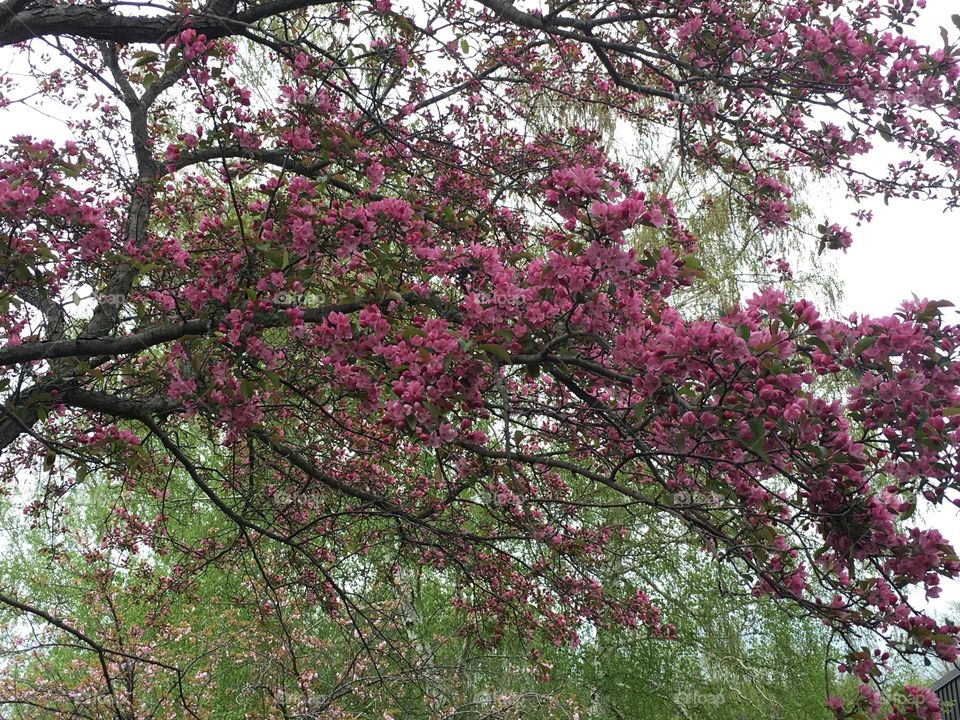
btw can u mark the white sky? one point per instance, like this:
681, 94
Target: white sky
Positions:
910, 247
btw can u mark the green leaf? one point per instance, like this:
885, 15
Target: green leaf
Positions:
247, 388
464, 46
277, 258
497, 350
693, 267
864, 343
434, 411
145, 57
756, 445
932, 310
819, 344
787, 318
767, 534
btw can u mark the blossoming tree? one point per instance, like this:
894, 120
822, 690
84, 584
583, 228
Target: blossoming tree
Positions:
357, 322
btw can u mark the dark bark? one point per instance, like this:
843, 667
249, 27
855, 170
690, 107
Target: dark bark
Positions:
90, 22
85, 347
10, 9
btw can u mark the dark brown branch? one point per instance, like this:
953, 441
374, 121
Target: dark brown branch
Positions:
83, 347
10, 9
88, 347
582, 33
93, 22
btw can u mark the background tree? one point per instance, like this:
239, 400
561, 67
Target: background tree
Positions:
732, 655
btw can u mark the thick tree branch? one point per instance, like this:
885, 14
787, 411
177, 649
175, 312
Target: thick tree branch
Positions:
93, 22
9, 10
87, 347
83, 347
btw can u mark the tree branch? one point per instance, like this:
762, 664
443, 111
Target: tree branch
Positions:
82, 347
94, 22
